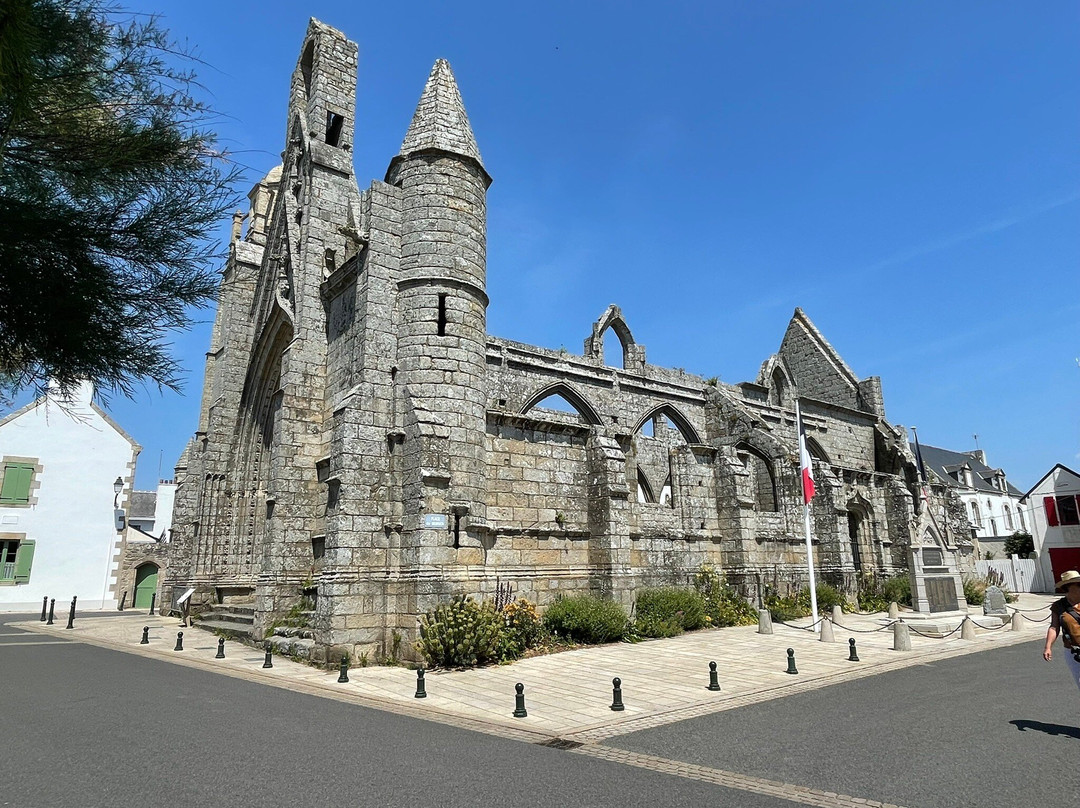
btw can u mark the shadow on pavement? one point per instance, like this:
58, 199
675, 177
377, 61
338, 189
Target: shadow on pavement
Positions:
1023, 725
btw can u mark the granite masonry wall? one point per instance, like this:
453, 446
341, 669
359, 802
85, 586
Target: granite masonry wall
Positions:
365, 443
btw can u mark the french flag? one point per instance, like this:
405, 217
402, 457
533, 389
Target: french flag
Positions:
805, 465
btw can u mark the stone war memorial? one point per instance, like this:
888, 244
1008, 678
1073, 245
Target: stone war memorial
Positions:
366, 450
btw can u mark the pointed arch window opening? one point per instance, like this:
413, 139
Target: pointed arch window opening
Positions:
665, 494
665, 420
763, 477
307, 65
558, 403
644, 490
613, 346
648, 429
778, 392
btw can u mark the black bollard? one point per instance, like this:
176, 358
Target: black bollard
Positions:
268, 662
153, 600
519, 702
220, 648
791, 661
179, 641
44, 607
343, 671
852, 656
714, 684
145, 636
421, 690
52, 612
123, 602
616, 695
71, 614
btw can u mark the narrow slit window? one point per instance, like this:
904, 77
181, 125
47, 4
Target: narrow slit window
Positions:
334, 123
442, 315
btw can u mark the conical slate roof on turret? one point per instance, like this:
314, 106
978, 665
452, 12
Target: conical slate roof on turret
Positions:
440, 121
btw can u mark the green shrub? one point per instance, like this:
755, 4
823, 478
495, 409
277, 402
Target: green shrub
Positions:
587, 619
870, 595
784, 608
898, 589
974, 591
684, 608
461, 633
723, 604
827, 597
870, 601
656, 626
521, 630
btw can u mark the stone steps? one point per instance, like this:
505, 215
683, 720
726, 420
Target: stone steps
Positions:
234, 622
228, 617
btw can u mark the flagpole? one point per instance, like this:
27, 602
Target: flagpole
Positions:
806, 521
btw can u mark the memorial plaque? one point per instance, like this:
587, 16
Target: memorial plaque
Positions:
941, 594
931, 557
994, 601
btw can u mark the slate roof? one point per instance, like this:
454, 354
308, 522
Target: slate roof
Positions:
143, 504
942, 461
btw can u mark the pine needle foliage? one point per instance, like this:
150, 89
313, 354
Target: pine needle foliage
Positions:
110, 184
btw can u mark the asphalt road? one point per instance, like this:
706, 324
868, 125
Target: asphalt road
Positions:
994, 728
85, 726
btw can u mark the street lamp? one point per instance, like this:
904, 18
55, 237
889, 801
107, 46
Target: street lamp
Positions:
118, 486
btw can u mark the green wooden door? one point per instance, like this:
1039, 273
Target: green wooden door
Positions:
145, 585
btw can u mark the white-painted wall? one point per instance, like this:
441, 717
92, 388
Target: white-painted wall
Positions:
1059, 482
992, 506
166, 495
81, 453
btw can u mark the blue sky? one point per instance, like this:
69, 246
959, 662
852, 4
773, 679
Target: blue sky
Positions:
907, 173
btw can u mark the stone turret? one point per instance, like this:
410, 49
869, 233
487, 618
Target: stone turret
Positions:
442, 304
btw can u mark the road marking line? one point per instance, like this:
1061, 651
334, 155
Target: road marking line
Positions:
32, 642
740, 782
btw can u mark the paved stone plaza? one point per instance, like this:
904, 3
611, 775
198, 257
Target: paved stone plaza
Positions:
569, 694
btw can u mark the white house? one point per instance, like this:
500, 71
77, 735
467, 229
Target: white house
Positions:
991, 502
151, 511
1053, 508
59, 537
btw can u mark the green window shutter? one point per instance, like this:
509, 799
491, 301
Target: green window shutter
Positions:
16, 485
24, 560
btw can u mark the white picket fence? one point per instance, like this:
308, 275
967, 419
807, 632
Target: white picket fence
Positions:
1020, 574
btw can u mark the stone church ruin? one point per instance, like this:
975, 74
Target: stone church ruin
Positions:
365, 449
